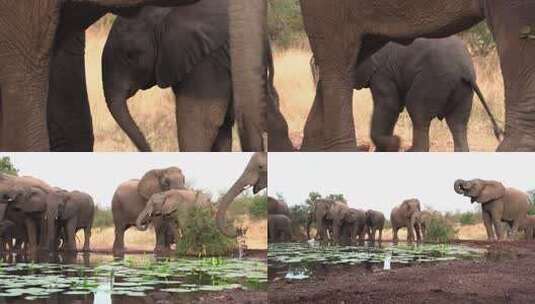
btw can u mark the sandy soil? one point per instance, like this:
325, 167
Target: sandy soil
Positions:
505, 275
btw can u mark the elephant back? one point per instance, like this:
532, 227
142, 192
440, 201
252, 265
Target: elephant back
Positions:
187, 36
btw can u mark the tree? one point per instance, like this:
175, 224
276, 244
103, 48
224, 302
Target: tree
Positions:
337, 197
312, 197
6, 166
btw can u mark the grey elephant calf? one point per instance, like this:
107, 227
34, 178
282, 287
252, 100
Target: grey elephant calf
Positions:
431, 78
498, 204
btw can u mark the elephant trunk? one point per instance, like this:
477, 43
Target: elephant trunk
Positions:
3, 209
143, 219
458, 186
249, 72
224, 204
50, 232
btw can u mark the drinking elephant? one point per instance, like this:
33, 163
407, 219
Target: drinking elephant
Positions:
375, 221
528, 226
353, 225
255, 176
26, 196
498, 204
276, 206
328, 215
344, 34
404, 216
279, 228
14, 230
55, 114
169, 209
131, 197
432, 78
67, 212
423, 219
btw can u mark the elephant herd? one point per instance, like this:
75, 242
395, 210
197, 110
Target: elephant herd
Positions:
35, 216
503, 209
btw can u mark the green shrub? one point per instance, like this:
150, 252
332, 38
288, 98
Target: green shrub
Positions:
440, 230
255, 206
258, 207
467, 218
479, 39
7, 166
285, 22
531, 210
200, 236
103, 218
299, 215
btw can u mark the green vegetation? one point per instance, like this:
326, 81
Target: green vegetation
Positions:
103, 218
253, 205
467, 218
200, 236
440, 229
7, 167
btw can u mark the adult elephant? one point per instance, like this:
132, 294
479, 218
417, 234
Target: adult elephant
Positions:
68, 212
170, 209
279, 228
375, 221
328, 215
404, 215
498, 204
35, 66
343, 34
423, 220
130, 198
432, 78
25, 198
276, 206
354, 225
255, 176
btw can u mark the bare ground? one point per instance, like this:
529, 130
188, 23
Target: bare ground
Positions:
505, 275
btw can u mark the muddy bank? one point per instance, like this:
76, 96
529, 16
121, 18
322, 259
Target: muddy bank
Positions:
505, 275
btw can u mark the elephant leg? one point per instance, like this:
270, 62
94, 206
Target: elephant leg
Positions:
70, 236
330, 125
487, 221
32, 234
337, 226
223, 141
386, 109
380, 235
514, 228
202, 105
320, 227
118, 243
395, 236
457, 119
87, 238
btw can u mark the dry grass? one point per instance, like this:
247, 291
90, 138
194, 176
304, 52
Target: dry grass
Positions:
153, 110
256, 237
294, 83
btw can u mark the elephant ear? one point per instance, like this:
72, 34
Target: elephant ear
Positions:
150, 183
492, 190
35, 200
187, 36
68, 208
170, 205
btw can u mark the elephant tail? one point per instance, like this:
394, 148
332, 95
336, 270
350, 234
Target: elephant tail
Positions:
498, 132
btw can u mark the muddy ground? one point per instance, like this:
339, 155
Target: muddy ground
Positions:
505, 275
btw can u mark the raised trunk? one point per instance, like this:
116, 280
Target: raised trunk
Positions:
458, 186
248, 65
223, 205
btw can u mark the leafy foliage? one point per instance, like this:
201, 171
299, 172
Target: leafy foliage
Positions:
440, 230
479, 39
299, 215
285, 22
103, 218
254, 205
200, 236
7, 167
467, 218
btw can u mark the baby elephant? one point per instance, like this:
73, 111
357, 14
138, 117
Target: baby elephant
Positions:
431, 78
528, 226
185, 48
279, 228
498, 204
375, 221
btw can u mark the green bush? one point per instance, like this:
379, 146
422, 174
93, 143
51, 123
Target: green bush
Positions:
285, 22
531, 210
440, 230
7, 166
253, 205
103, 218
200, 236
479, 39
258, 207
467, 218
299, 215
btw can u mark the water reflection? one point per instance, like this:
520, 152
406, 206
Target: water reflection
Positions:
102, 279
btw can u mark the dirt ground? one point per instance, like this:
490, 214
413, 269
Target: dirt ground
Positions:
505, 275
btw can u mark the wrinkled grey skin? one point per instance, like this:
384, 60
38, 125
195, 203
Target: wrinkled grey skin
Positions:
345, 33
131, 197
354, 226
28, 196
276, 206
375, 221
498, 204
68, 212
279, 228
169, 209
423, 219
404, 216
432, 78
255, 176
186, 48
328, 215
55, 38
